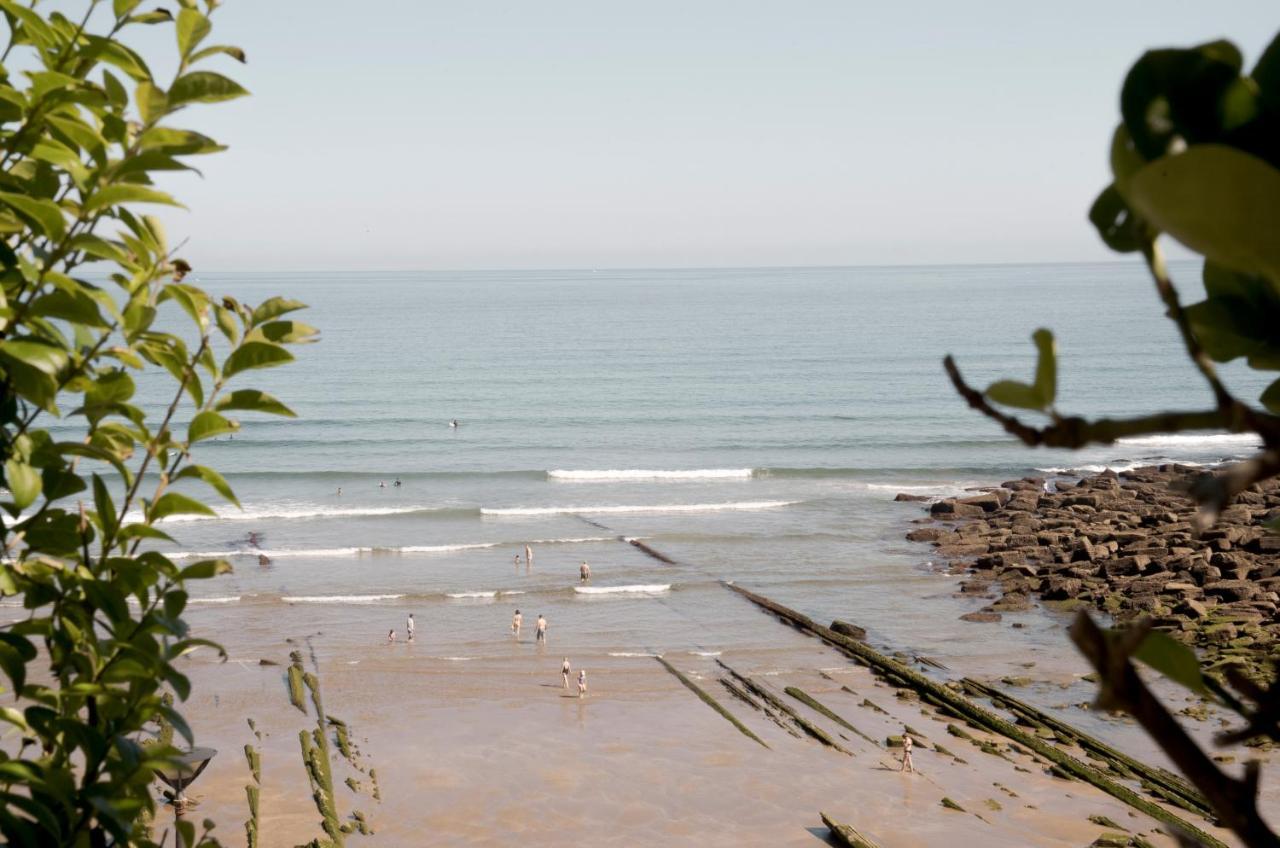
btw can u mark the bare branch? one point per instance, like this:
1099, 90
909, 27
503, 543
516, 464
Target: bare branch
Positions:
1234, 800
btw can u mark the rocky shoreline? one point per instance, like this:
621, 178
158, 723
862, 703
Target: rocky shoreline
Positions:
1124, 544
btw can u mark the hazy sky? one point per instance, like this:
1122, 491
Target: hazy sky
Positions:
474, 134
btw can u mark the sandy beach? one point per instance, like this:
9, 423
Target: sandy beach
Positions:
493, 750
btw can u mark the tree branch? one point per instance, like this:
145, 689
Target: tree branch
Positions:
1234, 800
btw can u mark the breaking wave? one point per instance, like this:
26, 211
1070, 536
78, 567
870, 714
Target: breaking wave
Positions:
715, 507
648, 474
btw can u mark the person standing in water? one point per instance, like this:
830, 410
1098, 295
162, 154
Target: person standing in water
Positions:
565, 671
409, 626
517, 562
542, 629
582, 683
528, 557
516, 621
391, 636
584, 572
906, 752
339, 491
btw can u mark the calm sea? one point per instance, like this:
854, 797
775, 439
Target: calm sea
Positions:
753, 424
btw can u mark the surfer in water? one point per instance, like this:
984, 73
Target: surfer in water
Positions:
584, 572
453, 425
565, 671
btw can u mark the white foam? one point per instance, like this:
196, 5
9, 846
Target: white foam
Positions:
306, 512
1118, 467
706, 653
457, 659
571, 541
338, 599
630, 654
717, 507
330, 552
230, 599
652, 474
512, 592
471, 594
1194, 440
647, 589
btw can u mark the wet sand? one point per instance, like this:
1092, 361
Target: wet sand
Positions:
493, 751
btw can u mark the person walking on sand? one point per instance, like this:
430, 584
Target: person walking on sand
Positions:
584, 572
906, 752
565, 671
542, 629
528, 557
409, 626
582, 683
516, 621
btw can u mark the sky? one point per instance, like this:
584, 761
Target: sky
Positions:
413, 134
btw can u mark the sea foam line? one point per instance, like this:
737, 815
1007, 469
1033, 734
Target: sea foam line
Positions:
646, 589
331, 552
716, 507
302, 513
338, 599
651, 474
1194, 440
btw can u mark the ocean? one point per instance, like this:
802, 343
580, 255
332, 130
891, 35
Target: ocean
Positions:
751, 424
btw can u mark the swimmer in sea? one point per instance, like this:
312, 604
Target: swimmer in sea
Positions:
516, 621
391, 636
584, 572
397, 483
339, 491
565, 671
517, 561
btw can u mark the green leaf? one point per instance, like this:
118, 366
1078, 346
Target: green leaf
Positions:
191, 29
114, 195
274, 308
226, 49
1271, 397
254, 355
206, 569
204, 87
207, 425
1014, 393
175, 503
23, 481
213, 478
1172, 659
37, 354
1218, 201
256, 401
151, 100
284, 332
44, 215
1120, 229
1046, 384
106, 508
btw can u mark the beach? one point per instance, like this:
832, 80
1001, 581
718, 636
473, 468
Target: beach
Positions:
747, 426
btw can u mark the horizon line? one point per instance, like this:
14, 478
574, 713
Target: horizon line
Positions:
631, 268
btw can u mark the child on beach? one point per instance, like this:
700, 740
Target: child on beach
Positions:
542, 628
565, 671
582, 683
906, 752
516, 621
391, 636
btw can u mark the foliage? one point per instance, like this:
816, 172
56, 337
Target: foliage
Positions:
1197, 157
84, 128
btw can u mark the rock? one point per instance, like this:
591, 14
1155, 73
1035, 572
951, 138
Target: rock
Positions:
904, 497
1232, 590
989, 502
953, 509
981, 617
853, 631
927, 534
